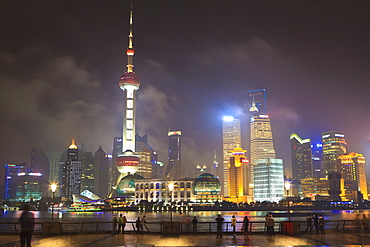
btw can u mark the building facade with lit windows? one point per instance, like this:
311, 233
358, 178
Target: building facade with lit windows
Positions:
101, 173
238, 183
207, 189
313, 187
262, 143
146, 155
352, 168
21, 184
159, 190
231, 139
174, 169
333, 145
301, 157
268, 180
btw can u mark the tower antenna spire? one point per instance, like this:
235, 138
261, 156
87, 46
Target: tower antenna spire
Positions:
130, 49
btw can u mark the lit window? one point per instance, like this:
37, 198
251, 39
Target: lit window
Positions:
129, 124
130, 93
129, 114
129, 134
130, 103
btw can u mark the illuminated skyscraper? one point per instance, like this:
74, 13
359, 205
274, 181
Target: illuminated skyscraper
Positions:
301, 157
174, 155
352, 168
238, 180
333, 145
145, 153
262, 144
230, 140
316, 149
71, 180
54, 175
87, 170
101, 173
268, 180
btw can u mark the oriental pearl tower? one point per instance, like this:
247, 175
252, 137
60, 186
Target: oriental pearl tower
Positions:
127, 162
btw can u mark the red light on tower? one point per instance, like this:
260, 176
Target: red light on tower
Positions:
130, 52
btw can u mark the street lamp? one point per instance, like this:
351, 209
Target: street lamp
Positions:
287, 187
53, 189
170, 187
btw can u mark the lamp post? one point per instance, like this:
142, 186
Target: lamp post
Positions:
287, 187
170, 187
53, 189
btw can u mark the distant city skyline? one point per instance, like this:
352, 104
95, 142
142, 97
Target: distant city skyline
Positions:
60, 64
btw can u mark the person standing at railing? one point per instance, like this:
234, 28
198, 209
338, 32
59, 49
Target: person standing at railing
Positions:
120, 224
270, 226
138, 225
321, 224
309, 223
27, 221
195, 225
245, 227
124, 221
219, 221
143, 223
316, 223
233, 225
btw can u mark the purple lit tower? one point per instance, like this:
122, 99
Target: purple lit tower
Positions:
127, 161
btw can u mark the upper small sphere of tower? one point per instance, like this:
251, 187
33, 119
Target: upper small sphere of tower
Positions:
130, 52
129, 79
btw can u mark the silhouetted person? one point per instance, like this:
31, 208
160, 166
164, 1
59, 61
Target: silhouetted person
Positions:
27, 221
195, 224
120, 224
138, 225
309, 223
321, 224
270, 226
143, 223
219, 221
233, 225
124, 223
245, 226
316, 223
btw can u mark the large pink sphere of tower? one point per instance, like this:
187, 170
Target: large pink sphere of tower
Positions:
128, 163
129, 79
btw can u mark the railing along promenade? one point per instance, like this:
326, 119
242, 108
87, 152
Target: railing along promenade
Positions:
85, 227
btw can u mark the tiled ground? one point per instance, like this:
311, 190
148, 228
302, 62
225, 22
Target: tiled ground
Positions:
146, 240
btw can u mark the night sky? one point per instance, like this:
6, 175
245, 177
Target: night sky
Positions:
60, 63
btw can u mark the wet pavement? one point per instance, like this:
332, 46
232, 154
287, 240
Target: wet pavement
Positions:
146, 240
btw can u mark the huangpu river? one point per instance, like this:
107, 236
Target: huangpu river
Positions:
205, 216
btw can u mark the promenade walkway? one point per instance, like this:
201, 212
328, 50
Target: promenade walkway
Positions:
147, 240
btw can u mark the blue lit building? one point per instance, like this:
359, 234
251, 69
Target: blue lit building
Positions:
268, 180
21, 184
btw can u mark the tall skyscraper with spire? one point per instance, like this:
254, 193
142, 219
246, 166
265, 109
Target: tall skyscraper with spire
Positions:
71, 180
128, 162
266, 171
